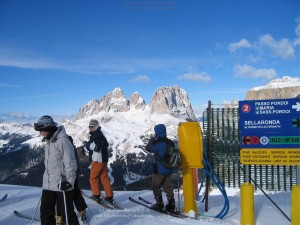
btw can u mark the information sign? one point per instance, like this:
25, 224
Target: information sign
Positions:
267, 126
270, 156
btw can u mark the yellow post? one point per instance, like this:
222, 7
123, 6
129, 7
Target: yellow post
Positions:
191, 148
247, 204
295, 205
188, 191
195, 179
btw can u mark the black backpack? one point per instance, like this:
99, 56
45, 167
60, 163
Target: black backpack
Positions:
172, 158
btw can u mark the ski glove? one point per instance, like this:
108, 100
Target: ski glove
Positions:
64, 186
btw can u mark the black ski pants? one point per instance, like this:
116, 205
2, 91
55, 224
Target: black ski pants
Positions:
79, 201
48, 203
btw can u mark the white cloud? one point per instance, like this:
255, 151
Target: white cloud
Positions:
283, 48
18, 117
141, 78
243, 43
297, 31
253, 59
202, 77
296, 42
5, 85
251, 72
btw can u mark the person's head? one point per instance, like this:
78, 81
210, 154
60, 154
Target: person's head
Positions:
46, 126
160, 130
93, 125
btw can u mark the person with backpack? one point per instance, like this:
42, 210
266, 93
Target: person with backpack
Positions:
161, 177
79, 201
60, 172
97, 146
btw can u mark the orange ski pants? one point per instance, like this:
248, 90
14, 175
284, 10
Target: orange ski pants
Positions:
99, 171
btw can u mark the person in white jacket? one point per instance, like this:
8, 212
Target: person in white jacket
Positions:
60, 172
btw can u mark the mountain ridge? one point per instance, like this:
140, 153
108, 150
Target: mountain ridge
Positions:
171, 100
285, 87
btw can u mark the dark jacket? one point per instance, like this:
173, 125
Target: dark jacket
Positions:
101, 144
158, 146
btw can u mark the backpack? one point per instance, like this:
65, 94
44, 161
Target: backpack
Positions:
172, 158
78, 172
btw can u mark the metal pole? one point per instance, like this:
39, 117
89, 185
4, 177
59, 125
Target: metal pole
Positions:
207, 183
178, 175
247, 180
36, 210
298, 175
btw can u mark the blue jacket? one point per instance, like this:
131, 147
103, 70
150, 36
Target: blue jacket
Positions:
158, 146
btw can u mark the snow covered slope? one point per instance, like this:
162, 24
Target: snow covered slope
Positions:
25, 200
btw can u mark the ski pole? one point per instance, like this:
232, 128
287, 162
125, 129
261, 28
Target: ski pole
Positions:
178, 176
65, 203
36, 210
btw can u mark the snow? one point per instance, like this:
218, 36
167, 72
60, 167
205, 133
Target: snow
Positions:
283, 82
25, 199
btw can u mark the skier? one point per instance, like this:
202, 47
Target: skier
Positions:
97, 145
60, 172
161, 176
79, 201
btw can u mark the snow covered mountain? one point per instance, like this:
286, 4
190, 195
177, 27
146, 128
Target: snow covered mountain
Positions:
166, 100
127, 124
285, 87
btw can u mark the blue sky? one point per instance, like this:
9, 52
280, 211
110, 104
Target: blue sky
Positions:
57, 55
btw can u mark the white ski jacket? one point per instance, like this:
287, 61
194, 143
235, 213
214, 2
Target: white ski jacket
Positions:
60, 161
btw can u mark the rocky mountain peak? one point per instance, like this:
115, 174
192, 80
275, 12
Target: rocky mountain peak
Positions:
172, 100
91, 108
166, 100
114, 101
136, 101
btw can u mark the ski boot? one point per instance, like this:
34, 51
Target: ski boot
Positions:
171, 204
59, 220
97, 198
110, 200
83, 217
159, 205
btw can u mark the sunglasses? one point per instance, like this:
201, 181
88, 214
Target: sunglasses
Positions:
91, 127
38, 127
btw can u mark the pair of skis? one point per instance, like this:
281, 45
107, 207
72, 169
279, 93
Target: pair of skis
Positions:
16, 212
147, 204
105, 204
3, 198
21, 215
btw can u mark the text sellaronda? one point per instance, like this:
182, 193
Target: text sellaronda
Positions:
262, 124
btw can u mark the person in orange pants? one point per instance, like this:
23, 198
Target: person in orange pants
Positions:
97, 145
99, 170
